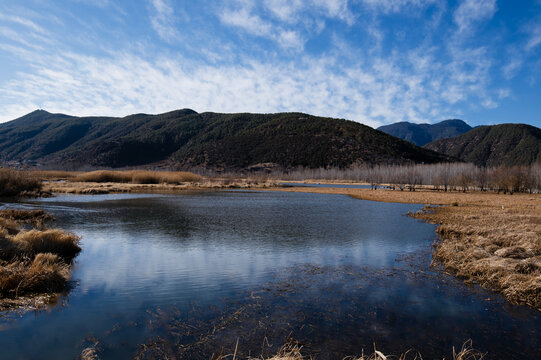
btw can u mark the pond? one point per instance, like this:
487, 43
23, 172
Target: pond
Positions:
335, 273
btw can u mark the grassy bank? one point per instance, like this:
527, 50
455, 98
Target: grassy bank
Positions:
141, 181
487, 238
18, 183
33, 261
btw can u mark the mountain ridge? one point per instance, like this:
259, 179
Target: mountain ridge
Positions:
494, 145
422, 134
186, 139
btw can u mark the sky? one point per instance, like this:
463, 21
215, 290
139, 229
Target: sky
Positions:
371, 61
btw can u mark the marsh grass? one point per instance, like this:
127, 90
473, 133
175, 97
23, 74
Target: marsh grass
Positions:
34, 261
45, 273
53, 175
293, 351
138, 177
499, 249
18, 183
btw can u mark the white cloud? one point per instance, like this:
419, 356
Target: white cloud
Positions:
470, 12
511, 69
285, 10
294, 10
162, 20
394, 6
504, 93
246, 20
284, 21
24, 22
382, 91
428, 80
534, 39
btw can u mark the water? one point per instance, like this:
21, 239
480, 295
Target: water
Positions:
334, 272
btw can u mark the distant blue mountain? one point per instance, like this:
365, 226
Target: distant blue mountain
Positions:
422, 134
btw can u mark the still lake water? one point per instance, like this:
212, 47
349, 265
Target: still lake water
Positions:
336, 273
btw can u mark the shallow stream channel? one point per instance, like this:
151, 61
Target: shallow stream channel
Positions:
197, 274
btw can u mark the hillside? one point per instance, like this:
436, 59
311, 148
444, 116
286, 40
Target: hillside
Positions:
184, 138
421, 134
505, 144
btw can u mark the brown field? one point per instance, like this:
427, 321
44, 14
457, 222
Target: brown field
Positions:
32, 262
93, 188
487, 238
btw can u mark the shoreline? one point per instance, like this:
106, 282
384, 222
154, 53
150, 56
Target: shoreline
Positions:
487, 238
490, 239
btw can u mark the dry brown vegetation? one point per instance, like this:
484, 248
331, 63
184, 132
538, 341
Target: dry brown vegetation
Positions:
93, 188
487, 238
138, 177
442, 176
34, 261
293, 351
18, 183
52, 175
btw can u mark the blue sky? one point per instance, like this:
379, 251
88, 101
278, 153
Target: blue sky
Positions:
372, 61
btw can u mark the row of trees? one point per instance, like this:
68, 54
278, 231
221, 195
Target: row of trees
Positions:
443, 176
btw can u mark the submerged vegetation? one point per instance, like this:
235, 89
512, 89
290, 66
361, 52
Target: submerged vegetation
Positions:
35, 261
293, 351
487, 238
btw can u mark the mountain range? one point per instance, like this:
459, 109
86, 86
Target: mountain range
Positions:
504, 144
187, 139
422, 134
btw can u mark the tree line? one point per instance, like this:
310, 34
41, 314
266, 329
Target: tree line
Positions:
442, 176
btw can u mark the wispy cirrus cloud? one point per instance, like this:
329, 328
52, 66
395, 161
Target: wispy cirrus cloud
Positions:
470, 12
372, 61
15, 19
162, 20
382, 91
534, 35
288, 23
394, 6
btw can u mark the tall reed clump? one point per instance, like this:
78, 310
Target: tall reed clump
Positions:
138, 177
33, 261
16, 183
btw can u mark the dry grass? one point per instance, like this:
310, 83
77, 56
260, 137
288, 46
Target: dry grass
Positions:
293, 351
53, 175
487, 238
58, 242
18, 183
138, 177
10, 219
33, 261
94, 188
46, 273
498, 247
